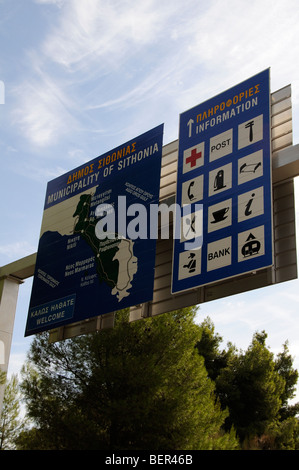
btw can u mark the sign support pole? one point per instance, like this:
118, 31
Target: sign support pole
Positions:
9, 289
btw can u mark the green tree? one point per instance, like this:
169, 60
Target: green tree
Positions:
140, 385
209, 348
284, 366
251, 387
244, 387
10, 422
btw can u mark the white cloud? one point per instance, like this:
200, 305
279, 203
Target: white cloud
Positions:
16, 362
17, 250
95, 30
43, 112
105, 55
233, 40
149, 87
91, 38
41, 172
58, 3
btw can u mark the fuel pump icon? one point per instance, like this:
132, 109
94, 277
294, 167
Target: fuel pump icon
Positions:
219, 181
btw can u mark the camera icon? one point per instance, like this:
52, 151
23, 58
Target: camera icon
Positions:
2, 92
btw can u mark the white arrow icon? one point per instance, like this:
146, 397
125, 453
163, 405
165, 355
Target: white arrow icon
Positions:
189, 124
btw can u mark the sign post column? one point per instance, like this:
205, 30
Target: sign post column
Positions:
9, 289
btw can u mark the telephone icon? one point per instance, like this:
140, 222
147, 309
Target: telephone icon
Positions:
190, 194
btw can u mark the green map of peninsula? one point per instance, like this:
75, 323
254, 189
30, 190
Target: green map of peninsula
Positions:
104, 250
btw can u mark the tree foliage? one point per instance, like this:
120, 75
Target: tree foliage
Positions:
255, 387
209, 347
140, 385
251, 388
284, 367
162, 383
10, 422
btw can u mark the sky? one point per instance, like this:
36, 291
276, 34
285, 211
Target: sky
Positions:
80, 78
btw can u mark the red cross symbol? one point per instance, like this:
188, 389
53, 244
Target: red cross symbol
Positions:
193, 157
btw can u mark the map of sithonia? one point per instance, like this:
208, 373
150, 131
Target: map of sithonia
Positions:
116, 263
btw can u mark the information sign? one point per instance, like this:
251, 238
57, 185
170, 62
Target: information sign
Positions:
94, 254
224, 179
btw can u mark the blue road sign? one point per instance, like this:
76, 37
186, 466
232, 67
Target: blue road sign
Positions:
224, 169
94, 255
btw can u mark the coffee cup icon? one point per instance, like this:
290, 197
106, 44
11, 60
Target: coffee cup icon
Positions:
220, 215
